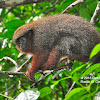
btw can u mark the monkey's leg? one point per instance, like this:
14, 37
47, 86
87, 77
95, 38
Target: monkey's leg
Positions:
38, 60
53, 59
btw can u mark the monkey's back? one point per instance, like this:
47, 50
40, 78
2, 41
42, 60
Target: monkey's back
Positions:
53, 28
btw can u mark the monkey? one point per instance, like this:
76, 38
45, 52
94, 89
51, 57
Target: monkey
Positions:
52, 37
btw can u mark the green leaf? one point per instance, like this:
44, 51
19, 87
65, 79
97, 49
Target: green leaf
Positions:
3, 12
95, 50
56, 82
78, 68
90, 69
83, 12
45, 91
6, 96
91, 4
75, 93
86, 97
8, 34
13, 24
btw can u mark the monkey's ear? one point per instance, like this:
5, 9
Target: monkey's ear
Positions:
30, 32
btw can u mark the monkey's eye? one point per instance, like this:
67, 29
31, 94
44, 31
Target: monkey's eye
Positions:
22, 40
30, 32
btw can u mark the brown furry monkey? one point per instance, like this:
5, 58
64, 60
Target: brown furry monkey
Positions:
52, 37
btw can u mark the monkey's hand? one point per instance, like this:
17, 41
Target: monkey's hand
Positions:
29, 74
38, 60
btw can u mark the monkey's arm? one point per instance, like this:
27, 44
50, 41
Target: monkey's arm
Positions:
53, 58
38, 60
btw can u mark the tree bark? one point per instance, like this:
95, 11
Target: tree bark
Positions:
11, 3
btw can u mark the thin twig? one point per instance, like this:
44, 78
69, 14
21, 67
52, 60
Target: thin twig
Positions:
70, 88
95, 15
24, 64
12, 73
15, 63
8, 58
72, 5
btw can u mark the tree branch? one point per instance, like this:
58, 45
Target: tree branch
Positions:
70, 88
72, 5
66, 66
39, 72
12, 73
24, 64
17, 69
8, 58
95, 15
11, 3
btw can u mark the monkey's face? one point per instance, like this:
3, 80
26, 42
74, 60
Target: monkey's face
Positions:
23, 40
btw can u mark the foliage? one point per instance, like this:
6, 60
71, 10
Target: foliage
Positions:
56, 85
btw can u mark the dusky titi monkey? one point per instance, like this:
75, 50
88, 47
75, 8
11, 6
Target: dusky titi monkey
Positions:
52, 37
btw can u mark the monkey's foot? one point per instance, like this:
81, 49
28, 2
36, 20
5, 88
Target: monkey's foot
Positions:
29, 74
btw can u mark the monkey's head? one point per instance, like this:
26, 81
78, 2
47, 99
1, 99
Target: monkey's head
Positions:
23, 38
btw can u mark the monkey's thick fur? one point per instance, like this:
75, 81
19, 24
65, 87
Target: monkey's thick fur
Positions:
52, 37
